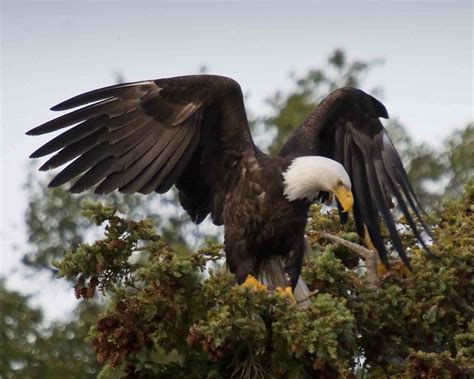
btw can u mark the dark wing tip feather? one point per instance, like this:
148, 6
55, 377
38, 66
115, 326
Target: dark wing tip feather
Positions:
36, 131
54, 183
32, 132
349, 96
116, 90
78, 100
75, 189
43, 150
380, 109
46, 166
60, 107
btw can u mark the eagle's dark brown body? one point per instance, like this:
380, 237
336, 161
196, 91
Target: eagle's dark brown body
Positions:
192, 132
260, 222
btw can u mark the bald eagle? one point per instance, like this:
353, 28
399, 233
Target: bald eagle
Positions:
192, 132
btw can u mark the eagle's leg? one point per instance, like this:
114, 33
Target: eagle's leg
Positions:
293, 270
253, 283
287, 293
367, 240
381, 269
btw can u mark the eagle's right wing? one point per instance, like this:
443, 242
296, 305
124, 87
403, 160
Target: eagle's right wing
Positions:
146, 136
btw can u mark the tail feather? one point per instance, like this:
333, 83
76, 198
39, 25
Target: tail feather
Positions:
301, 293
272, 275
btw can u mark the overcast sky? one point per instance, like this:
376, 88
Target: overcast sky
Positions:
54, 50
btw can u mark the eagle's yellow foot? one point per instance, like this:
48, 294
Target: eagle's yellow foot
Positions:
286, 293
253, 283
381, 269
396, 267
367, 240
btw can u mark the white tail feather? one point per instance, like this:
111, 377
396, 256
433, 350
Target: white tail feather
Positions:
272, 275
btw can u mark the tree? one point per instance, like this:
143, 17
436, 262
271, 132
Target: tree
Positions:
460, 160
166, 319
19, 328
28, 349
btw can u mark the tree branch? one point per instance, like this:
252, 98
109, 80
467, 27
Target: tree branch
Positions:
369, 256
312, 293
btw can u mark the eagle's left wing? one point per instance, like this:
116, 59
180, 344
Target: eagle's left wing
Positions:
346, 127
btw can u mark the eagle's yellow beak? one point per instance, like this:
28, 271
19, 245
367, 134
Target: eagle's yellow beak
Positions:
344, 195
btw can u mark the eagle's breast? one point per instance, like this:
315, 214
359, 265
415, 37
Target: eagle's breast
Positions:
257, 213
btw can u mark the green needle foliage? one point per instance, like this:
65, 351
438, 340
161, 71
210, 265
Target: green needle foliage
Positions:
170, 315
29, 350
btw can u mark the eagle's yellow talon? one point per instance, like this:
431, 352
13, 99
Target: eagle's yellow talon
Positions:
253, 283
286, 293
367, 240
381, 268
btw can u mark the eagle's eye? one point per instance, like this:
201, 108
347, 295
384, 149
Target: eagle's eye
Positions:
340, 183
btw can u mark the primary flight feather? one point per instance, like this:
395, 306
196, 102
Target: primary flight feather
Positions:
192, 132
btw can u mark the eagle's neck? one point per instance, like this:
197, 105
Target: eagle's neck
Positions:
307, 176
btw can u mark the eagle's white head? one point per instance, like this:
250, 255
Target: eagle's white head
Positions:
307, 176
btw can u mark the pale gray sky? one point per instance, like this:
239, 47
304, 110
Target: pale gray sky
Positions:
54, 50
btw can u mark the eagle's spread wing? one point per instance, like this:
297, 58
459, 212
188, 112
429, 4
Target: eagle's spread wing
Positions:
146, 136
346, 128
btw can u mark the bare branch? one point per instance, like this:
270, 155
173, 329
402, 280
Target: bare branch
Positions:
360, 250
311, 294
369, 256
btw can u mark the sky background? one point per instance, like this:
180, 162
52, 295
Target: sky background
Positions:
53, 50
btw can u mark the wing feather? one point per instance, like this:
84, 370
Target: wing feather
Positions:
75, 134
113, 144
170, 160
123, 91
73, 151
131, 164
116, 159
365, 204
108, 106
160, 153
180, 165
